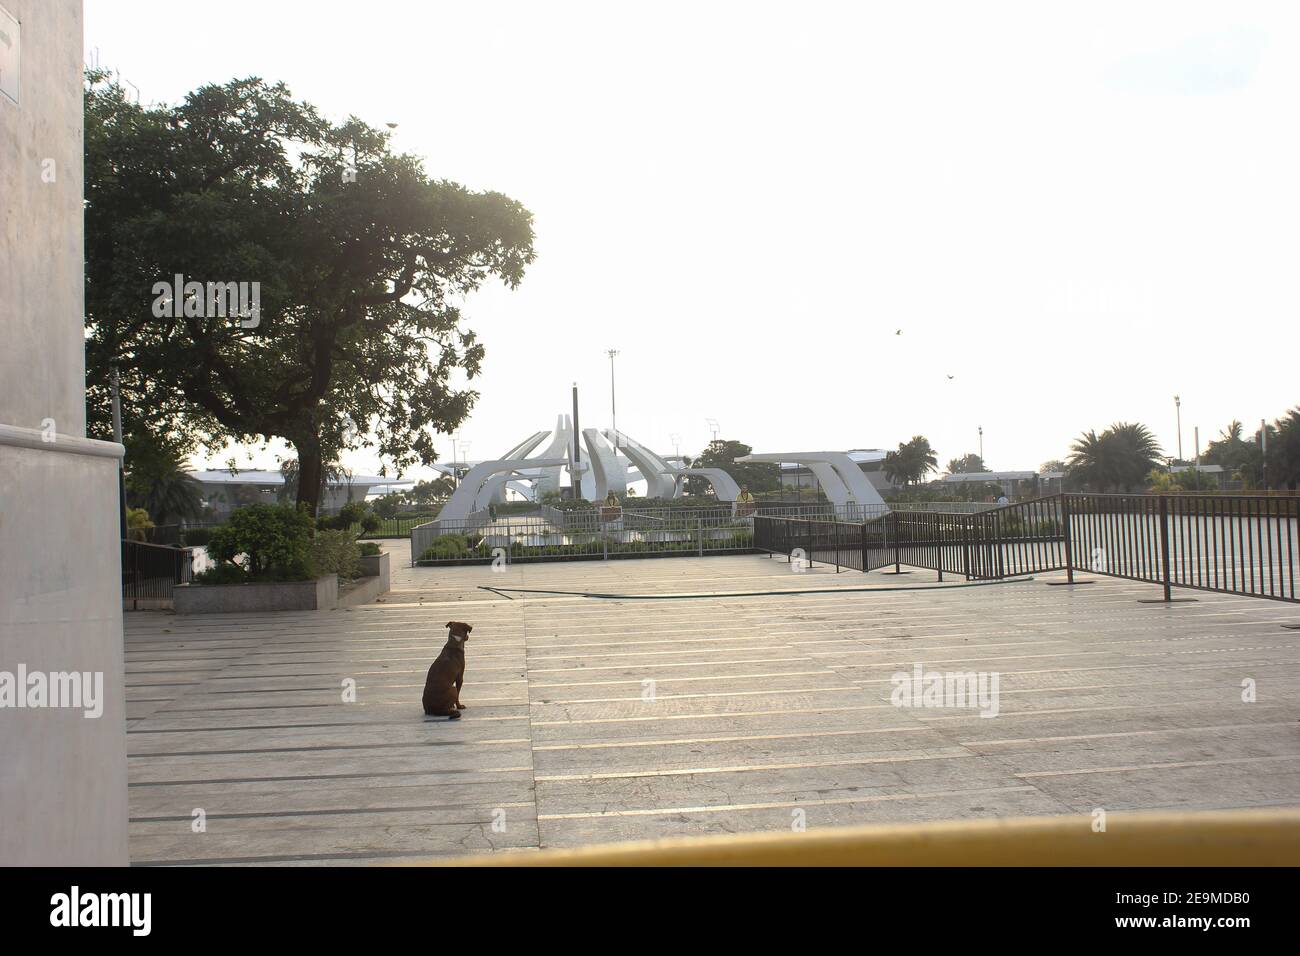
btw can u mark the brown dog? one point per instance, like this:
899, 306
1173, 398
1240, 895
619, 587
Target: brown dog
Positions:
447, 675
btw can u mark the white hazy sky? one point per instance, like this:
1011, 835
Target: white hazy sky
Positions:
1075, 210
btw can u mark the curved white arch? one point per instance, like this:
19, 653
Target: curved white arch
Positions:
657, 473
724, 486
561, 446
841, 478
607, 474
462, 501
494, 489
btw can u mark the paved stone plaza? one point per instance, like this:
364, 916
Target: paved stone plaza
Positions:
762, 709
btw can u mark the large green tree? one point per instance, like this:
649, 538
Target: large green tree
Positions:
361, 258
968, 464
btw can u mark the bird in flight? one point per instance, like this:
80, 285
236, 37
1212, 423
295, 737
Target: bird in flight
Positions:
950, 378
899, 332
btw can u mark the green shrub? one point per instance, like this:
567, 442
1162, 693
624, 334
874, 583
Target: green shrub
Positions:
447, 546
370, 523
196, 537
273, 541
222, 574
1012, 525
388, 505
335, 552
370, 549
349, 515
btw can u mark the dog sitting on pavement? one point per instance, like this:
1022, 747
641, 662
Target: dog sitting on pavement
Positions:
447, 675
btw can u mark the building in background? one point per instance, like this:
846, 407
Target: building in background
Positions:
224, 491
1014, 484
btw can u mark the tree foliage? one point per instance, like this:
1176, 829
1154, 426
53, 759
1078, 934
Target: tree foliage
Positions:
967, 464
1119, 459
157, 482
361, 258
911, 462
757, 476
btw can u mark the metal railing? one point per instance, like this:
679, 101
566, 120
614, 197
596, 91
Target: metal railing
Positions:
534, 538
1232, 544
150, 571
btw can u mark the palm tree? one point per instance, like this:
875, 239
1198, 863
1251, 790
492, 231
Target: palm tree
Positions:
912, 462
158, 482
1120, 458
1135, 453
1088, 461
1284, 452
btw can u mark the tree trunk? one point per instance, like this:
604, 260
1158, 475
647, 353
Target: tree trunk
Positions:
309, 476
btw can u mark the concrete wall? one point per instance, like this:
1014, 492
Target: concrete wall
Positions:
62, 775
321, 594
42, 291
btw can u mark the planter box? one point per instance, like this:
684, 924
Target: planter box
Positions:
377, 566
319, 595
373, 582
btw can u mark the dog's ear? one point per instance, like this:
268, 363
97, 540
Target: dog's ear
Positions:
468, 628
450, 623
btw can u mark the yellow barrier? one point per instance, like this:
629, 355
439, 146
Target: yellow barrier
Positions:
1218, 838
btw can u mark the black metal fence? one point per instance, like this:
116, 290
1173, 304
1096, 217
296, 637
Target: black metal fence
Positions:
150, 571
533, 538
1232, 544
859, 546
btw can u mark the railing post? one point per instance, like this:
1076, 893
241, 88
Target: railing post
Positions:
864, 547
1069, 546
699, 534
1164, 544
965, 547
897, 567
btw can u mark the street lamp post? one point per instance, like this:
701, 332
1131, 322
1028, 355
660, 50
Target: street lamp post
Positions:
613, 411
1263, 453
464, 458
981, 444
1178, 415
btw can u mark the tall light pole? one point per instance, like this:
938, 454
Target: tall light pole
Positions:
464, 457
1178, 415
613, 411
1263, 453
982, 445
713, 427
676, 439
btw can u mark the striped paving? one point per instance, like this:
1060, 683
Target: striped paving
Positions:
651, 715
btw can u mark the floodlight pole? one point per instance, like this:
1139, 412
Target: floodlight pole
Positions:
1178, 415
613, 412
575, 474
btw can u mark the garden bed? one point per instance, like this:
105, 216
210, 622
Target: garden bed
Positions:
320, 594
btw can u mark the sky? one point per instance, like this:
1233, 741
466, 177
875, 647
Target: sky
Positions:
827, 225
